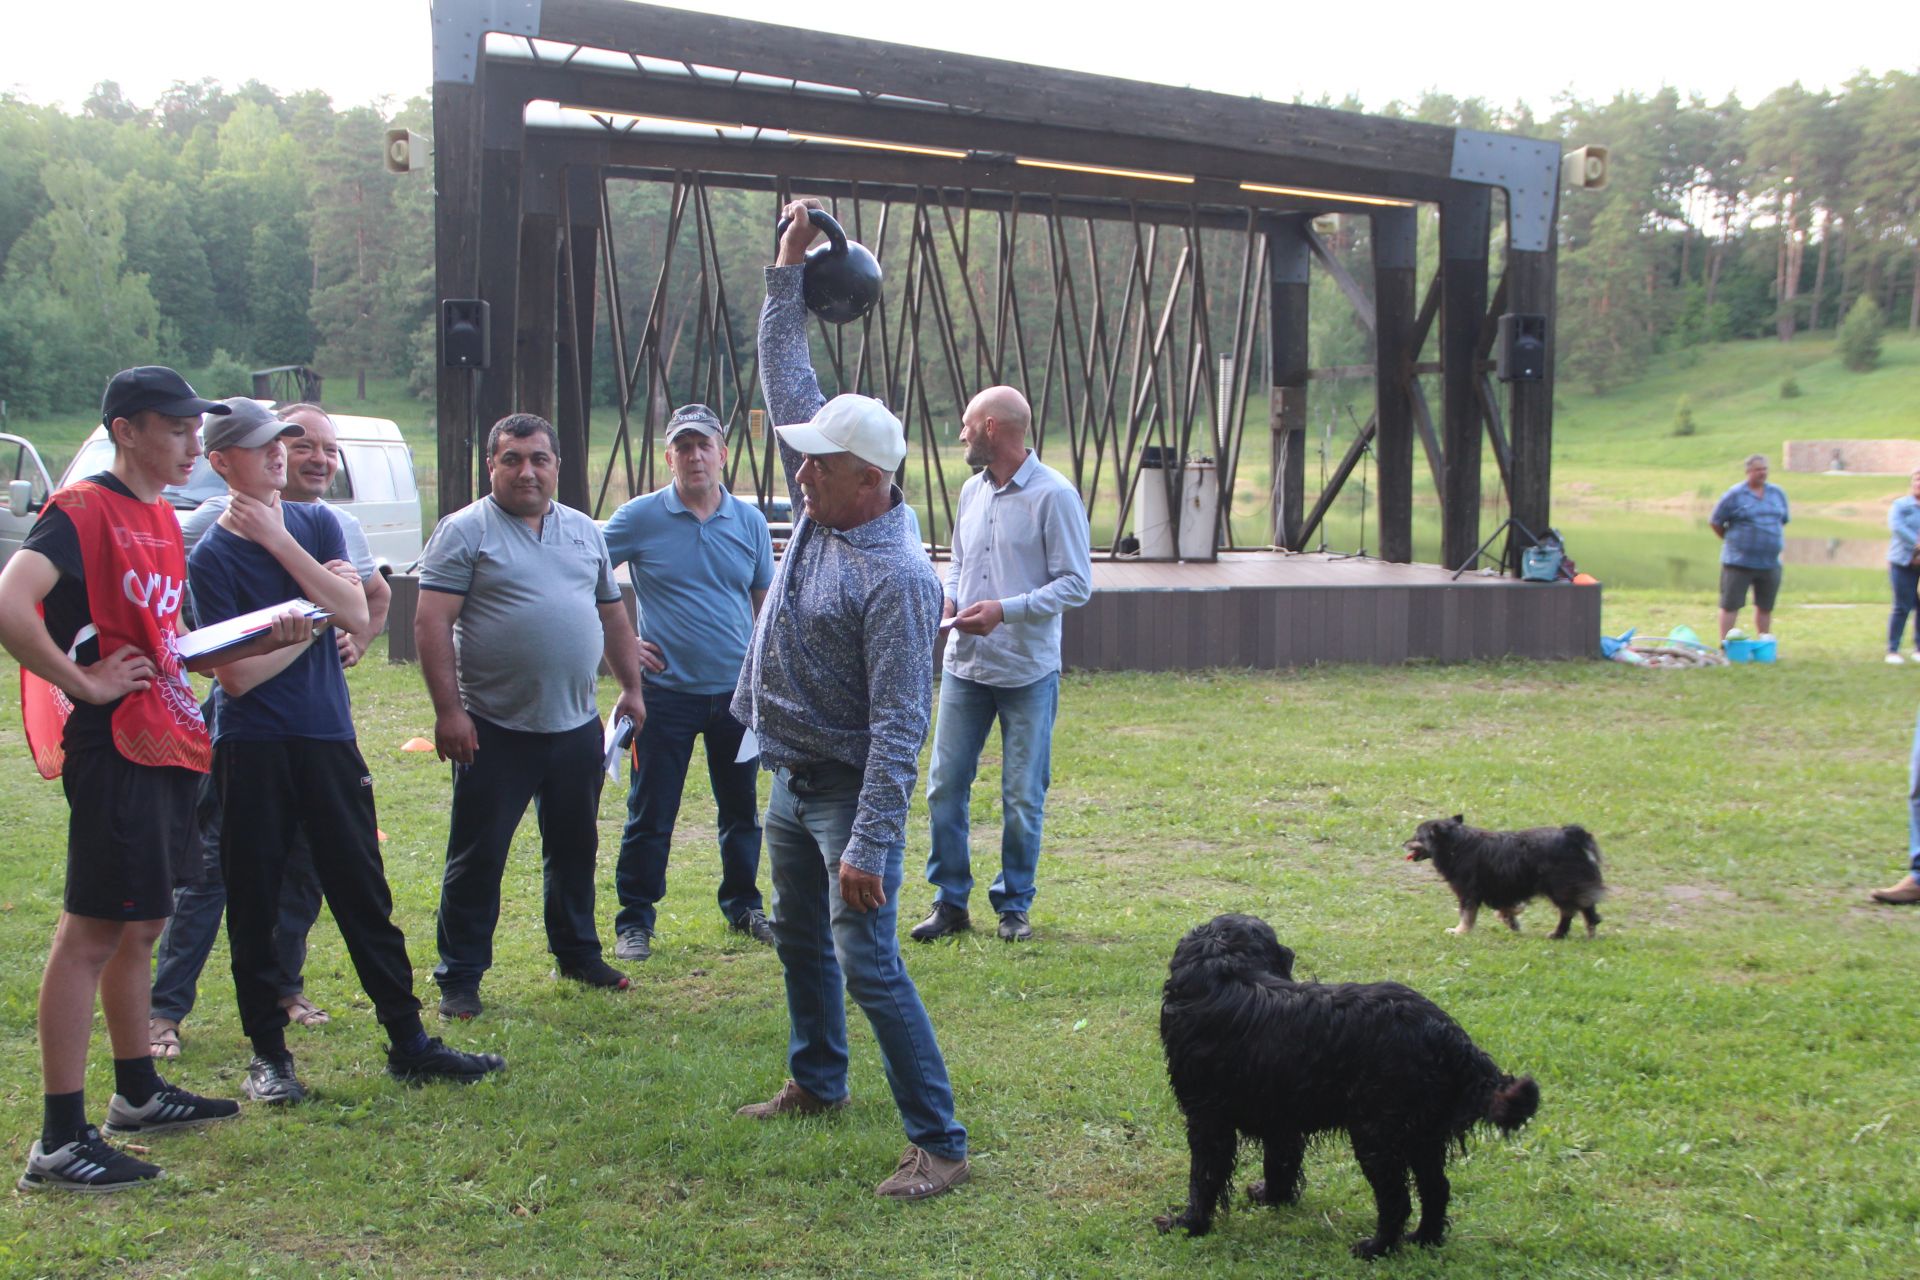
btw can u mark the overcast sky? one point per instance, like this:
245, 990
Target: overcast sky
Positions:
364, 50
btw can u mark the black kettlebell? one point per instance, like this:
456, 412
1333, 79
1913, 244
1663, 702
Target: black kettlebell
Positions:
842, 279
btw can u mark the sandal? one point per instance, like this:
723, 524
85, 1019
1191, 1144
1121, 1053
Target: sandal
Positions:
304, 1011
163, 1038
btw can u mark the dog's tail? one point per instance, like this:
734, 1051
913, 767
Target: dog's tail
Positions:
1513, 1103
1587, 845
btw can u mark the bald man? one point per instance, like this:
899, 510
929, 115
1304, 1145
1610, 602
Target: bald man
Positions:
1021, 558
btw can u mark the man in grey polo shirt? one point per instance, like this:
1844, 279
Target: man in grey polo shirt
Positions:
838, 686
700, 560
517, 606
1020, 560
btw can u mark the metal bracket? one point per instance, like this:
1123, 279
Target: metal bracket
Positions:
460, 30
1288, 256
1395, 239
1527, 169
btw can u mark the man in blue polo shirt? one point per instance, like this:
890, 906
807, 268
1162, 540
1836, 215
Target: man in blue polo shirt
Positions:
700, 560
1750, 518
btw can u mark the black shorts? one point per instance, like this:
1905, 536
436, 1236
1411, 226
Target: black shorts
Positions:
1735, 580
130, 836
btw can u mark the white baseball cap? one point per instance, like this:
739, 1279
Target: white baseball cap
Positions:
859, 425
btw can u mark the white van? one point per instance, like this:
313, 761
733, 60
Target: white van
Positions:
27, 490
375, 482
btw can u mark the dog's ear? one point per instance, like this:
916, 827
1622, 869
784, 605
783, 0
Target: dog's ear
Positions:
1459, 819
1283, 962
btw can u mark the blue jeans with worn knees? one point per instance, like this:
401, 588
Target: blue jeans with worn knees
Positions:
201, 903
662, 752
819, 938
1913, 805
1905, 580
967, 711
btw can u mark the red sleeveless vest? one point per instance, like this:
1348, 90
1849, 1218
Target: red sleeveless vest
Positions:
136, 574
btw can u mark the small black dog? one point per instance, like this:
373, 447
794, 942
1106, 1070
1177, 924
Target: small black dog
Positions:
1251, 1051
1504, 869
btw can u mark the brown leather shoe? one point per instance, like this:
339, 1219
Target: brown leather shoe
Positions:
792, 1100
1907, 891
922, 1174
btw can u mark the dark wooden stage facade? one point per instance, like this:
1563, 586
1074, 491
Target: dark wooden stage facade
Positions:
1268, 609
1139, 259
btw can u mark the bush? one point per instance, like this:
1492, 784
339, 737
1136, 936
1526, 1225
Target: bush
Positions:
225, 376
1683, 417
1860, 335
1789, 388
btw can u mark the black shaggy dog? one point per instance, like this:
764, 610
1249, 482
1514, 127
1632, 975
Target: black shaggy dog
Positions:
1251, 1051
1504, 869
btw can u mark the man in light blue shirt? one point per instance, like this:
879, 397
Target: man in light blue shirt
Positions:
1903, 568
700, 560
1021, 558
1751, 519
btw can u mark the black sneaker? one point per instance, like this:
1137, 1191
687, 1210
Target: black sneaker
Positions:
86, 1165
270, 1079
596, 973
754, 923
944, 920
170, 1108
437, 1062
457, 1003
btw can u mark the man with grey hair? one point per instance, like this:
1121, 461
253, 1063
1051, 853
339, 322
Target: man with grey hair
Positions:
838, 688
1750, 519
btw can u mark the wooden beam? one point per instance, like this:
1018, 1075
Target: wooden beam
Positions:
761, 106
456, 264
533, 348
995, 183
1394, 285
1463, 307
579, 227
1339, 140
1287, 260
498, 275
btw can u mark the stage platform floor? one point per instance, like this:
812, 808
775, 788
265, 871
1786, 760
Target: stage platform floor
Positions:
1270, 609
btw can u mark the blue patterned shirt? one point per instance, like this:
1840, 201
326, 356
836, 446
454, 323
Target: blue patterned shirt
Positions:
840, 667
1755, 526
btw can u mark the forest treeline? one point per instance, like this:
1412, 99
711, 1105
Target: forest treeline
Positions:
222, 229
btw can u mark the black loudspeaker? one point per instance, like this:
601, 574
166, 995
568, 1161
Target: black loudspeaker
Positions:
465, 333
1521, 353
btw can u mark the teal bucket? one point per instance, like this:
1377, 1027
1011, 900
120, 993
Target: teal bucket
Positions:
1751, 650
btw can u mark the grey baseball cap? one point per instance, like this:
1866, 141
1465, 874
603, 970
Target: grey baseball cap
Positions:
248, 424
695, 417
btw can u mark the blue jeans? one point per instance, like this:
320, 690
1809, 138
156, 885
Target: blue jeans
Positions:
198, 906
1905, 579
819, 939
967, 711
1913, 805
661, 754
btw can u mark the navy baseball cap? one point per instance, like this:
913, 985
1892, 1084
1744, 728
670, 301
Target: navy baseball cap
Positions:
695, 417
155, 387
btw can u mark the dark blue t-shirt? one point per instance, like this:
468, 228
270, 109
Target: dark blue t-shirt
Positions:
229, 576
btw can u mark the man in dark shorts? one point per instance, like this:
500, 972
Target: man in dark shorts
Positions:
285, 760
105, 564
1751, 519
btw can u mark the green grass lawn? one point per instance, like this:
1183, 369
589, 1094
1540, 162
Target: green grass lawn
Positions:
1724, 1071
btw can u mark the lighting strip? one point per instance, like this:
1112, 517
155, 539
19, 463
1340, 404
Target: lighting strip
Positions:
626, 116
1313, 194
940, 152
1104, 171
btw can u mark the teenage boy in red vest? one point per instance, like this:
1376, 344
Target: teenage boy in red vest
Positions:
89, 604
285, 760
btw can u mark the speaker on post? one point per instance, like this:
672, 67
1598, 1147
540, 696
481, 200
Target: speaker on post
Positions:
465, 333
406, 151
1520, 355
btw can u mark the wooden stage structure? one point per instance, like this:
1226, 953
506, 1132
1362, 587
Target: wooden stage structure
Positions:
1177, 236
